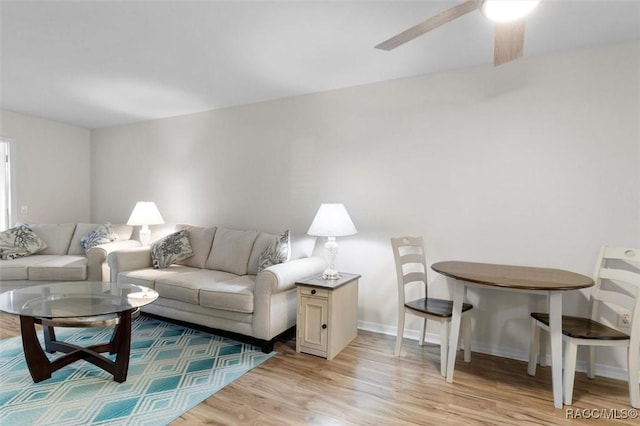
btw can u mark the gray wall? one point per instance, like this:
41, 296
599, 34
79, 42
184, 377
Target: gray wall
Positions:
52, 161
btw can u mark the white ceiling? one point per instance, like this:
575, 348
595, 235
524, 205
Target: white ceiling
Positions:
104, 63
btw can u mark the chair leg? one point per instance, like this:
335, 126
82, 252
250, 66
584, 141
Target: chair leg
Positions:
534, 347
591, 363
571, 351
399, 332
466, 335
632, 365
543, 340
444, 345
423, 331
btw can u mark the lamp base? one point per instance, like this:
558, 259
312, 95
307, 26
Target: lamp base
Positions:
332, 250
330, 274
145, 235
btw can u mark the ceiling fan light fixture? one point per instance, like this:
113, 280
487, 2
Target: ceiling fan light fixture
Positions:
507, 10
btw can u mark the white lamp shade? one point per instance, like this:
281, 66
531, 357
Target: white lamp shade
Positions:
145, 213
507, 10
332, 220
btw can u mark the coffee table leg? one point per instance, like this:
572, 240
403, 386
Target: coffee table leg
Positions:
49, 336
37, 362
121, 345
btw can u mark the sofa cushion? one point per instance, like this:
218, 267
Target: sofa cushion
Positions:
57, 237
60, 268
231, 295
186, 287
201, 240
262, 242
277, 252
170, 249
230, 251
18, 269
148, 276
196, 314
103, 234
19, 241
302, 246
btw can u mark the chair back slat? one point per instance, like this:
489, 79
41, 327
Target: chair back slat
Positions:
628, 280
617, 285
629, 255
413, 277
411, 265
412, 258
614, 298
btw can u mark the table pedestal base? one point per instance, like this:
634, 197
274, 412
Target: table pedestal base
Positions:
41, 368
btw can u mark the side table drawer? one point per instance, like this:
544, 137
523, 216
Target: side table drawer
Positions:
314, 292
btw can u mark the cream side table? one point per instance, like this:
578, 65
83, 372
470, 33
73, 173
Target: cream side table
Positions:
327, 314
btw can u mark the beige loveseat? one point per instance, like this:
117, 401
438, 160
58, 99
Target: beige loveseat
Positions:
219, 286
63, 259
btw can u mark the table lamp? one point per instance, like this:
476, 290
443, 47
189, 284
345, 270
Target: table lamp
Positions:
331, 221
145, 213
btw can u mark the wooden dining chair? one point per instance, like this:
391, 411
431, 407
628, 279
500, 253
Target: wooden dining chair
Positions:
411, 268
617, 290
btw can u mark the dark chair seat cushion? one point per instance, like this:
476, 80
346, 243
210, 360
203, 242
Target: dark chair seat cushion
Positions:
583, 328
437, 307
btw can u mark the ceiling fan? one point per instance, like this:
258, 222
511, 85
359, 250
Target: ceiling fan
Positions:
508, 15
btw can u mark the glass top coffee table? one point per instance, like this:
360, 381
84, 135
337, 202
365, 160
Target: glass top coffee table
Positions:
76, 304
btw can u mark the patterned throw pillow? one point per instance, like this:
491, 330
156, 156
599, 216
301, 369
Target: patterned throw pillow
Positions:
19, 241
279, 251
103, 234
170, 249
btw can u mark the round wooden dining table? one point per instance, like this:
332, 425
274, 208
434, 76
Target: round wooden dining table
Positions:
546, 281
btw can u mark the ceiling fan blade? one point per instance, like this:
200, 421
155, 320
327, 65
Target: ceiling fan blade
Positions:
509, 41
431, 23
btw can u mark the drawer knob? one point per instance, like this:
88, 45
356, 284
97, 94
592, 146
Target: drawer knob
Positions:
324, 326
313, 291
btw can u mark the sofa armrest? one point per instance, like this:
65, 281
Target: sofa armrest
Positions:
283, 276
128, 260
97, 270
275, 295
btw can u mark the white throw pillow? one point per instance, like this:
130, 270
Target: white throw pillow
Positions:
279, 251
19, 241
103, 234
171, 249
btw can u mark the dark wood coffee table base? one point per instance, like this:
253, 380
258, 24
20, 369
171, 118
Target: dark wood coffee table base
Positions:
120, 344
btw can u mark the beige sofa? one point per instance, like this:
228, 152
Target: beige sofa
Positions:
219, 286
63, 259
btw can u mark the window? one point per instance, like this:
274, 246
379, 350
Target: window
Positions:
5, 184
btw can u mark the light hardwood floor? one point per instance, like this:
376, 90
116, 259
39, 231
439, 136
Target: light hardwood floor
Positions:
366, 385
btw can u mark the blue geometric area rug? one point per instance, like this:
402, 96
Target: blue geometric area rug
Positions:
171, 369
